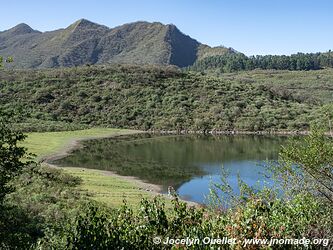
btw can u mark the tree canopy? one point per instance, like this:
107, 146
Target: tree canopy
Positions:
239, 62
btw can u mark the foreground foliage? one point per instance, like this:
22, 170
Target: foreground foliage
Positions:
10, 155
57, 218
308, 165
100, 228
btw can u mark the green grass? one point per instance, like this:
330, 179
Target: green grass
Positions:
48, 143
111, 190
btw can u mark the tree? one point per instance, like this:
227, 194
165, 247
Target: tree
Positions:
11, 155
309, 163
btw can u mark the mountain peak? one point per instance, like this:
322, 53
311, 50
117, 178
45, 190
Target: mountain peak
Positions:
171, 25
84, 23
21, 29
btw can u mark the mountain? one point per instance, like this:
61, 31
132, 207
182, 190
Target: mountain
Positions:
85, 42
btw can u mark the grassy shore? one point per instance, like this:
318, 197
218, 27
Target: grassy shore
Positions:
45, 144
102, 186
110, 189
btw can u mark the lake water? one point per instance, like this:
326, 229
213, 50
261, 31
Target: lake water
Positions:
187, 163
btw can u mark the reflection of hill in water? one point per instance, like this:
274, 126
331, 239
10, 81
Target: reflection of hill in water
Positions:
170, 160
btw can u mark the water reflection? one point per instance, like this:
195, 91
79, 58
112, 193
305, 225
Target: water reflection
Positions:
187, 163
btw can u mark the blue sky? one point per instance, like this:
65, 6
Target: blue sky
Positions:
249, 26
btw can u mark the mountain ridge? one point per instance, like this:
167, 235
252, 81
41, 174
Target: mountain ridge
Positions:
85, 42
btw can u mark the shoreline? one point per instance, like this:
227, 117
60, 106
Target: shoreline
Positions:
75, 143
231, 132
142, 185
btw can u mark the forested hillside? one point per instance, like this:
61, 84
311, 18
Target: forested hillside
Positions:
233, 62
165, 98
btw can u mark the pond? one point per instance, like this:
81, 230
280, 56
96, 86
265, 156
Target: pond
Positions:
187, 163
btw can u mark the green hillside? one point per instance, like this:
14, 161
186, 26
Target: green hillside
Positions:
165, 98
